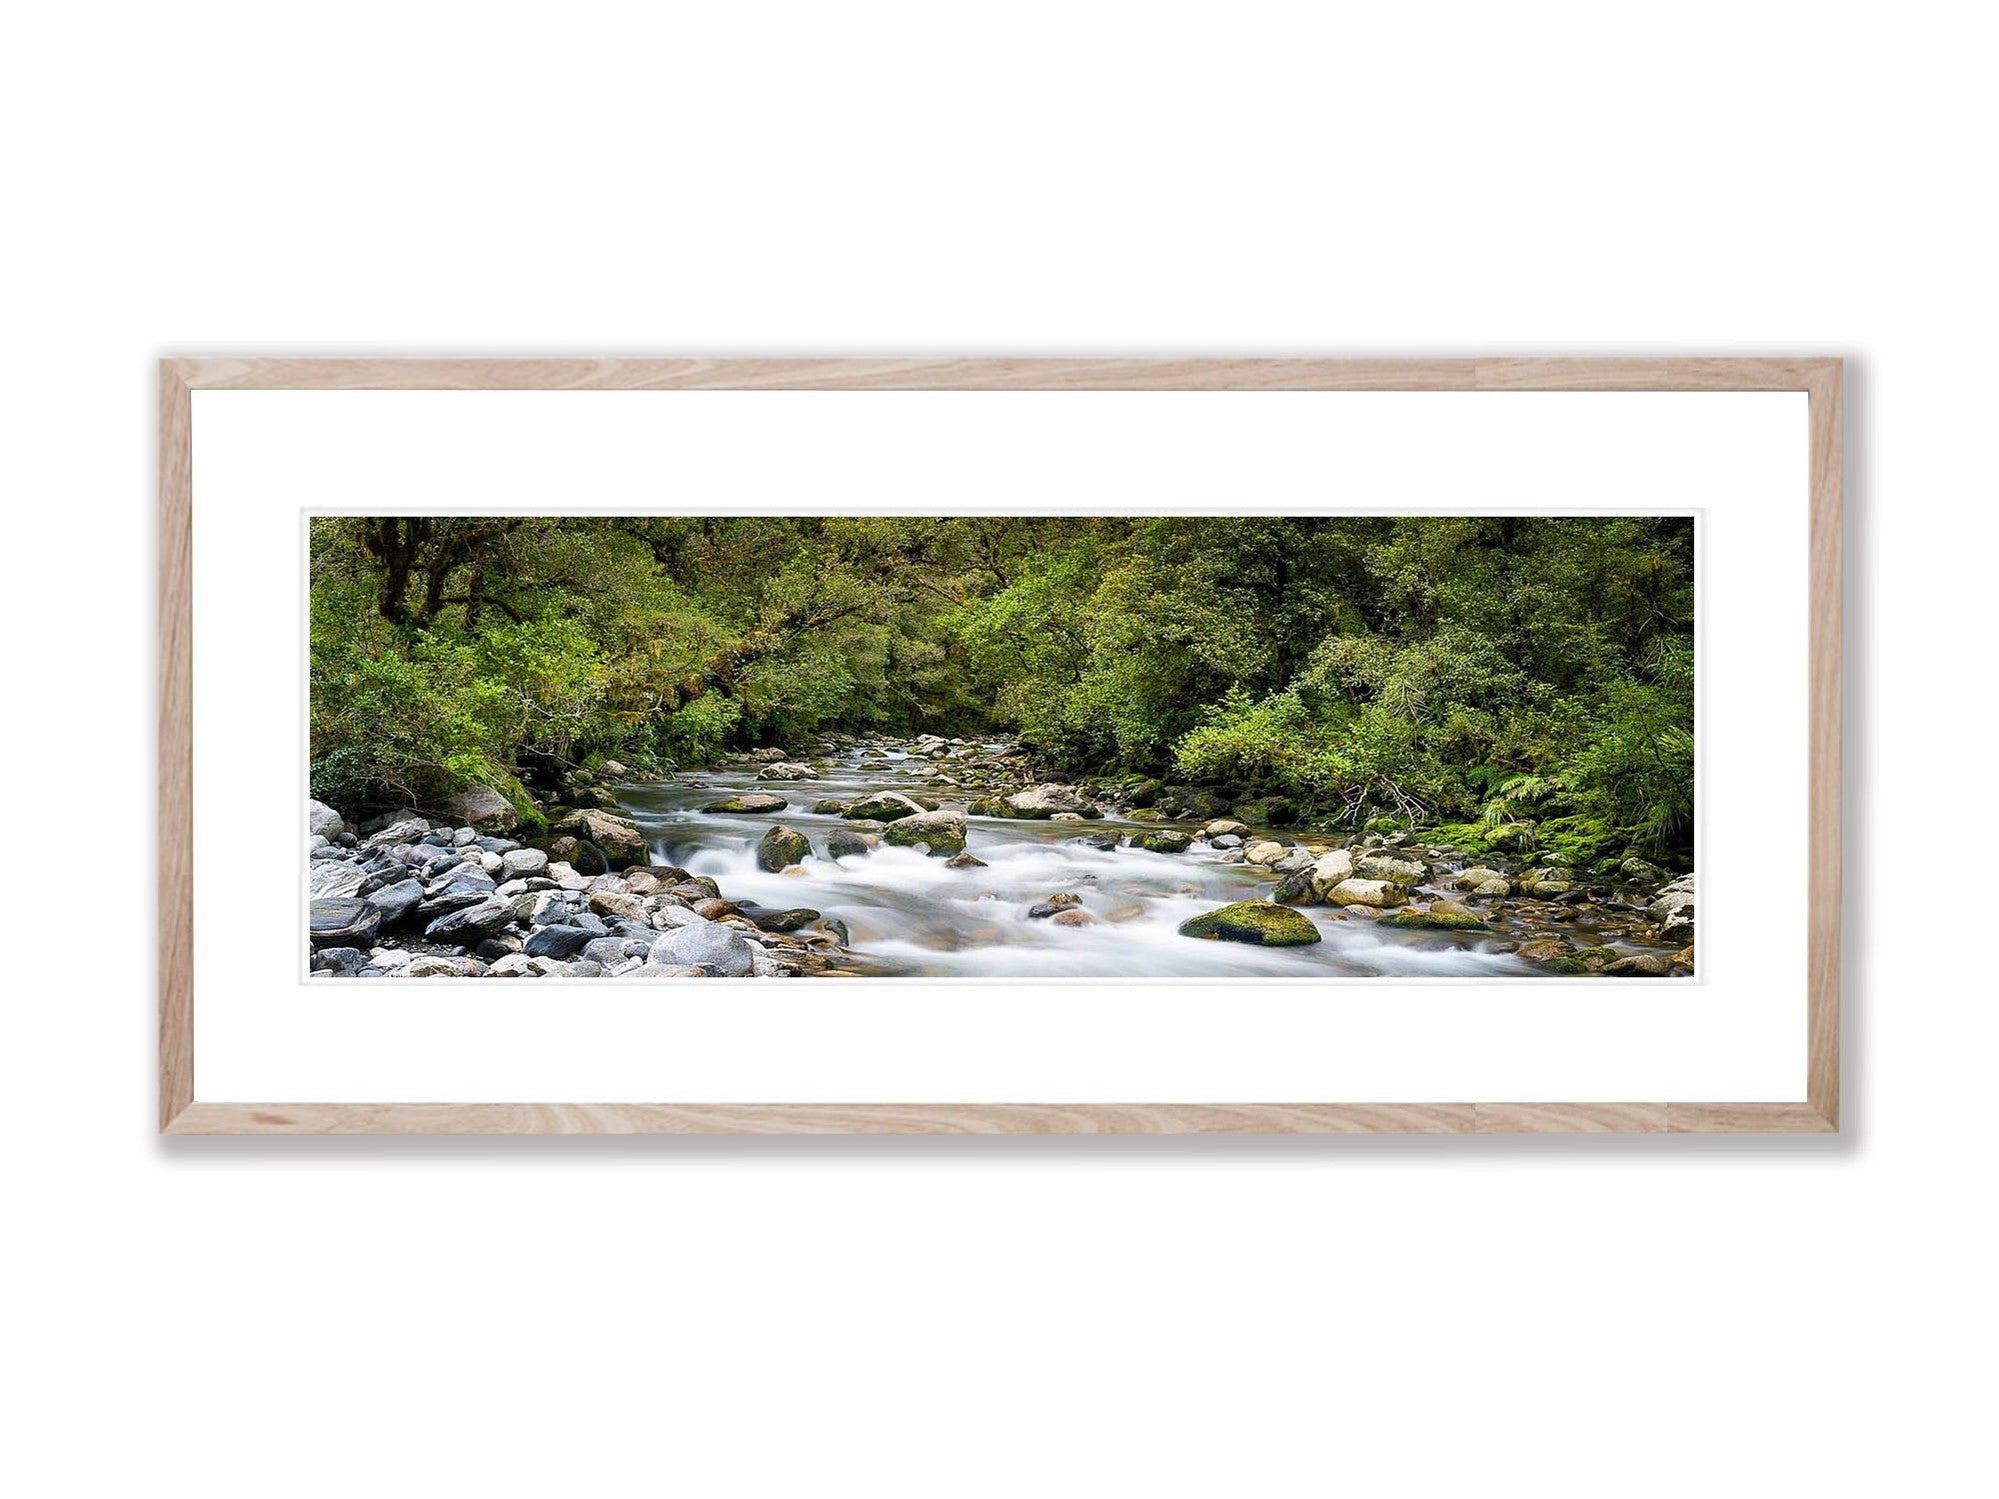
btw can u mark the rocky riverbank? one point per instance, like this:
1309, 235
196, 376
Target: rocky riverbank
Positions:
854, 823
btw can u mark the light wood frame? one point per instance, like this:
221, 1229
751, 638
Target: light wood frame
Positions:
182, 1113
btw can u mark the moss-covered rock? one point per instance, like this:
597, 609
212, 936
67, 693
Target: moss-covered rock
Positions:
1439, 916
940, 834
1640, 966
1164, 842
749, 801
782, 847
886, 805
1260, 922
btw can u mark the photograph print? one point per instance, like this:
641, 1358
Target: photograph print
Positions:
1066, 747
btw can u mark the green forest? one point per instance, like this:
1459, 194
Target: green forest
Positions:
1490, 678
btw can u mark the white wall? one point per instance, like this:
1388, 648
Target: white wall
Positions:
989, 1317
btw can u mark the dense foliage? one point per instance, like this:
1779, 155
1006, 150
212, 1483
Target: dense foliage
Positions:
1475, 672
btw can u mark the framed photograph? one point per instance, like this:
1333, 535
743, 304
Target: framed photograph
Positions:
994, 745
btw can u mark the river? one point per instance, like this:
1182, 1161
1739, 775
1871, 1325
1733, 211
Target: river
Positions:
907, 914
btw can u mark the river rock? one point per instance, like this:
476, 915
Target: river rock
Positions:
1673, 909
468, 925
1545, 950
708, 945
343, 922
964, 859
402, 830
785, 921
785, 770
461, 887
614, 950
887, 806
330, 879
845, 843
341, 962
560, 941
750, 801
1377, 894
519, 863
830, 807
1263, 852
939, 834
618, 837
1640, 966
1047, 799
321, 821
1073, 916
782, 847
1397, 868
1225, 827
1439, 915
1164, 842
396, 901
484, 809
1329, 869
1261, 922
617, 903
1293, 861
1295, 889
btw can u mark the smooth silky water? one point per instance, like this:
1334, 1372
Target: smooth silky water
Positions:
907, 914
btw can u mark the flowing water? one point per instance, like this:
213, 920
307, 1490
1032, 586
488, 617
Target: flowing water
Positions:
908, 914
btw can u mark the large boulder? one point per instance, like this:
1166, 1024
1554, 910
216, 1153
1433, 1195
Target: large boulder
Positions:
1164, 842
343, 922
322, 821
483, 808
885, 805
1048, 799
749, 801
1378, 894
1260, 922
1399, 868
708, 946
618, 837
782, 847
1328, 870
939, 834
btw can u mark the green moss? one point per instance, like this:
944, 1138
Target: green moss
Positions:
1262, 922
1439, 917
